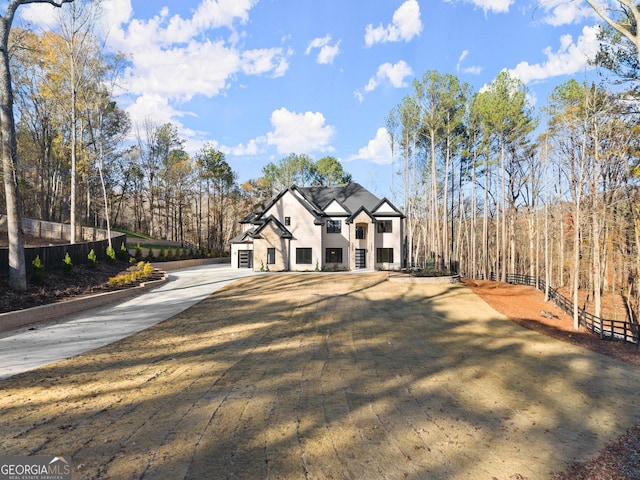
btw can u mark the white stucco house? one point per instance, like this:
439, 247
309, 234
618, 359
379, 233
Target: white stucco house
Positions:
321, 228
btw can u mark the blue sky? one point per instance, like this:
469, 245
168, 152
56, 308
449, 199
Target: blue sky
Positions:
264, 78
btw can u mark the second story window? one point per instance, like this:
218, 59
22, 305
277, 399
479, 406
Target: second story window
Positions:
385, 226
361, 232
334, 226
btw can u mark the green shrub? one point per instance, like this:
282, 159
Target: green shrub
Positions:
138, 254
67, 264
37, 273
140, 272
123, 253
162, 255
170, 254
93, 259
111, 254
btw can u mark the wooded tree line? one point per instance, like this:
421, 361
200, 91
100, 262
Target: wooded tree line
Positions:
63, 83
485, 185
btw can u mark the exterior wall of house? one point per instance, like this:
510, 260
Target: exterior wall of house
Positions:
366, 243
235, 252
392, 240
305, 233
335, 241
270, 238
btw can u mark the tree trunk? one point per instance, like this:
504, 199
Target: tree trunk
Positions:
17, 267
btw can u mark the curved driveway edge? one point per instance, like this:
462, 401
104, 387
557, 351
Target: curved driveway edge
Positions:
27, 348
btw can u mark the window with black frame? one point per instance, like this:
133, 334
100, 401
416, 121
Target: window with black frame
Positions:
384, 255
385, 226
271, 256
334, 226
304, 256
333, 255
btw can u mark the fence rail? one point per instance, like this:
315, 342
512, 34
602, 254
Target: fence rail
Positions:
52, 256
607, 329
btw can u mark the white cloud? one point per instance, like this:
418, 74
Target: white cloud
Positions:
393, 73
192, 70
564, 12
292, 133
405, 25
495, 6
327, 52
299, 132
264, 60
199, 63
44, 16
569, 59
255, 146
377, 150
155, 107
473, 70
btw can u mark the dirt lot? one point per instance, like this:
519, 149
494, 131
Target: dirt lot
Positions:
325, 376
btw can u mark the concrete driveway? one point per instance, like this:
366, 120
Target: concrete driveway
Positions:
31, 347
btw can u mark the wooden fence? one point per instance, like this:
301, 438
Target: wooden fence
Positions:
607, 329
52, 256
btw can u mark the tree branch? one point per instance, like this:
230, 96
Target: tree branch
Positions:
614, 24
55, 3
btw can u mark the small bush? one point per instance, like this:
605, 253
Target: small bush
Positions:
67, 264
37, 273
138, 254
162, 255
92, 258
170, 254
140, 272
111, 254
123, 253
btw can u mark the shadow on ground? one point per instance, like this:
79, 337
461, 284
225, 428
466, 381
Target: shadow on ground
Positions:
332, 376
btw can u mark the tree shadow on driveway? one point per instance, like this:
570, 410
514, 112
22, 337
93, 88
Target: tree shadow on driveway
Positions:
324, 376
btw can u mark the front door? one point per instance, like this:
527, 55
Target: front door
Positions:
361, 258
245, 259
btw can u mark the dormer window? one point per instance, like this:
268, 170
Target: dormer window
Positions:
334, 226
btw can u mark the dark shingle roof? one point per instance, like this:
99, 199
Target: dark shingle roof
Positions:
352, 196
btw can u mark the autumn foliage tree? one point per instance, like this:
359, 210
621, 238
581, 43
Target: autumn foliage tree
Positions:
17, 267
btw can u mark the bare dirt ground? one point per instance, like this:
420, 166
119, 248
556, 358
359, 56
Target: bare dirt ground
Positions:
327, 376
